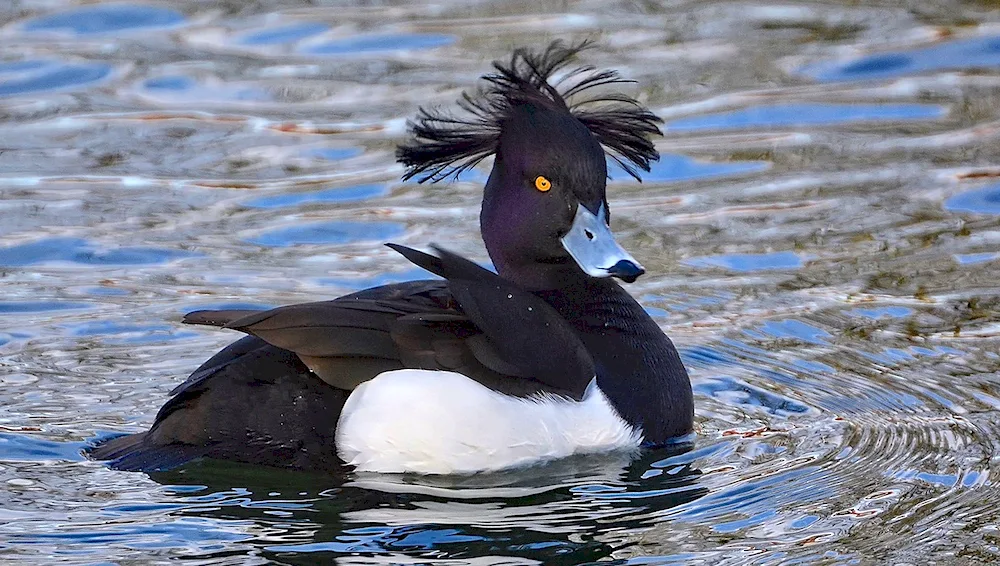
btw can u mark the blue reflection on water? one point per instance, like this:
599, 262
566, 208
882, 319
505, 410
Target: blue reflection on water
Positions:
736, 392
340, 194
807, 115
655, 311
749, 262
106, 19
40, 306
185, 88
178, 533
225, 306
108, 327
106, 291
377, 280
170, 82
77, 250
123, 333
674, 167
960, 54
25, 77
337, 232
388, 42
336, 153
431, 538
20, 66
982, 201
24, 447
474, 175
968, 259
792, 328
737, 498
285, 34
947, 481
888, 312
755, 519
375, 539
971, 478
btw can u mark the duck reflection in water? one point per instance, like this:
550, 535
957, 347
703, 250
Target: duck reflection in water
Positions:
569, 511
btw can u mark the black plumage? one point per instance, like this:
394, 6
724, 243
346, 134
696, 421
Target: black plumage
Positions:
543, 324
444, 144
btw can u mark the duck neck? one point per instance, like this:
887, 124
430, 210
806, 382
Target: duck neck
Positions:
638, 367
518, 236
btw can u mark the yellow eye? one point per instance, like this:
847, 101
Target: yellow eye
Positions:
542, 184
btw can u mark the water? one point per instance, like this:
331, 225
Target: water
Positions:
821, 238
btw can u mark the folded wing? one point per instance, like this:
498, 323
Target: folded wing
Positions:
473, 322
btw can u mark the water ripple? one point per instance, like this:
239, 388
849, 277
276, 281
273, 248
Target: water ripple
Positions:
959, 54
112, 18
32, 76
76, 250
820, 236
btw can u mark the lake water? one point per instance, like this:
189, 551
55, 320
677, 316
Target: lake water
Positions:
822, 240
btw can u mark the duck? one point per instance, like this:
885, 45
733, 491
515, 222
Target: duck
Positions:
476, 371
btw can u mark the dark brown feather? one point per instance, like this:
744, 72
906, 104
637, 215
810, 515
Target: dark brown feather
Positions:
474, 322
218, 318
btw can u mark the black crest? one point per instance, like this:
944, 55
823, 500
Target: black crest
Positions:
444, 145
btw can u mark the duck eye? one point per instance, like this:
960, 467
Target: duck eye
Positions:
542, 184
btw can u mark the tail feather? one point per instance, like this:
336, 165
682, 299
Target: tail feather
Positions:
134, 453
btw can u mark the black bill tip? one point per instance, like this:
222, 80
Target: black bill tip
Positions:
626, 270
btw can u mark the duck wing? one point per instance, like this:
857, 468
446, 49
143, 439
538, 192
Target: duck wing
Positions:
520, 334
473, 322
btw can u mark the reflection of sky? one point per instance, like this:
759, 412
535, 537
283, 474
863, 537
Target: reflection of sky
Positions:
179, 88
342, 194
670, 167
982, 201
338, 232
130, 333
285, 34
77, 250
967, 259
374, 43
224, 306
887, 312
25, 447
674, 167
384, 278
26, 77
806, 115
39, 306
474, 175
378, 539
336, 153
960, 54
748, 262
105, 19
733, 391
169, 82
101, 328
792, 328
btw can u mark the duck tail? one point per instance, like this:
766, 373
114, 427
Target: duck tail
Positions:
135, 453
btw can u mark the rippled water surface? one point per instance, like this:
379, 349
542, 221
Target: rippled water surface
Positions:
822, 237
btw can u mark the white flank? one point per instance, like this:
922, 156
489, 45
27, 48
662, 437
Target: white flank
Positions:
441, 422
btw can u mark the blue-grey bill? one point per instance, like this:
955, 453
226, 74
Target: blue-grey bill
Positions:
593, 247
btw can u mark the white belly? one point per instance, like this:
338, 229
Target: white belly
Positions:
439, 422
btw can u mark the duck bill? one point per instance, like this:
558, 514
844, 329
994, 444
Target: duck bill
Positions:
593, 247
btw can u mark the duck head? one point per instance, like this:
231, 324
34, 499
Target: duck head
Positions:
545, 216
